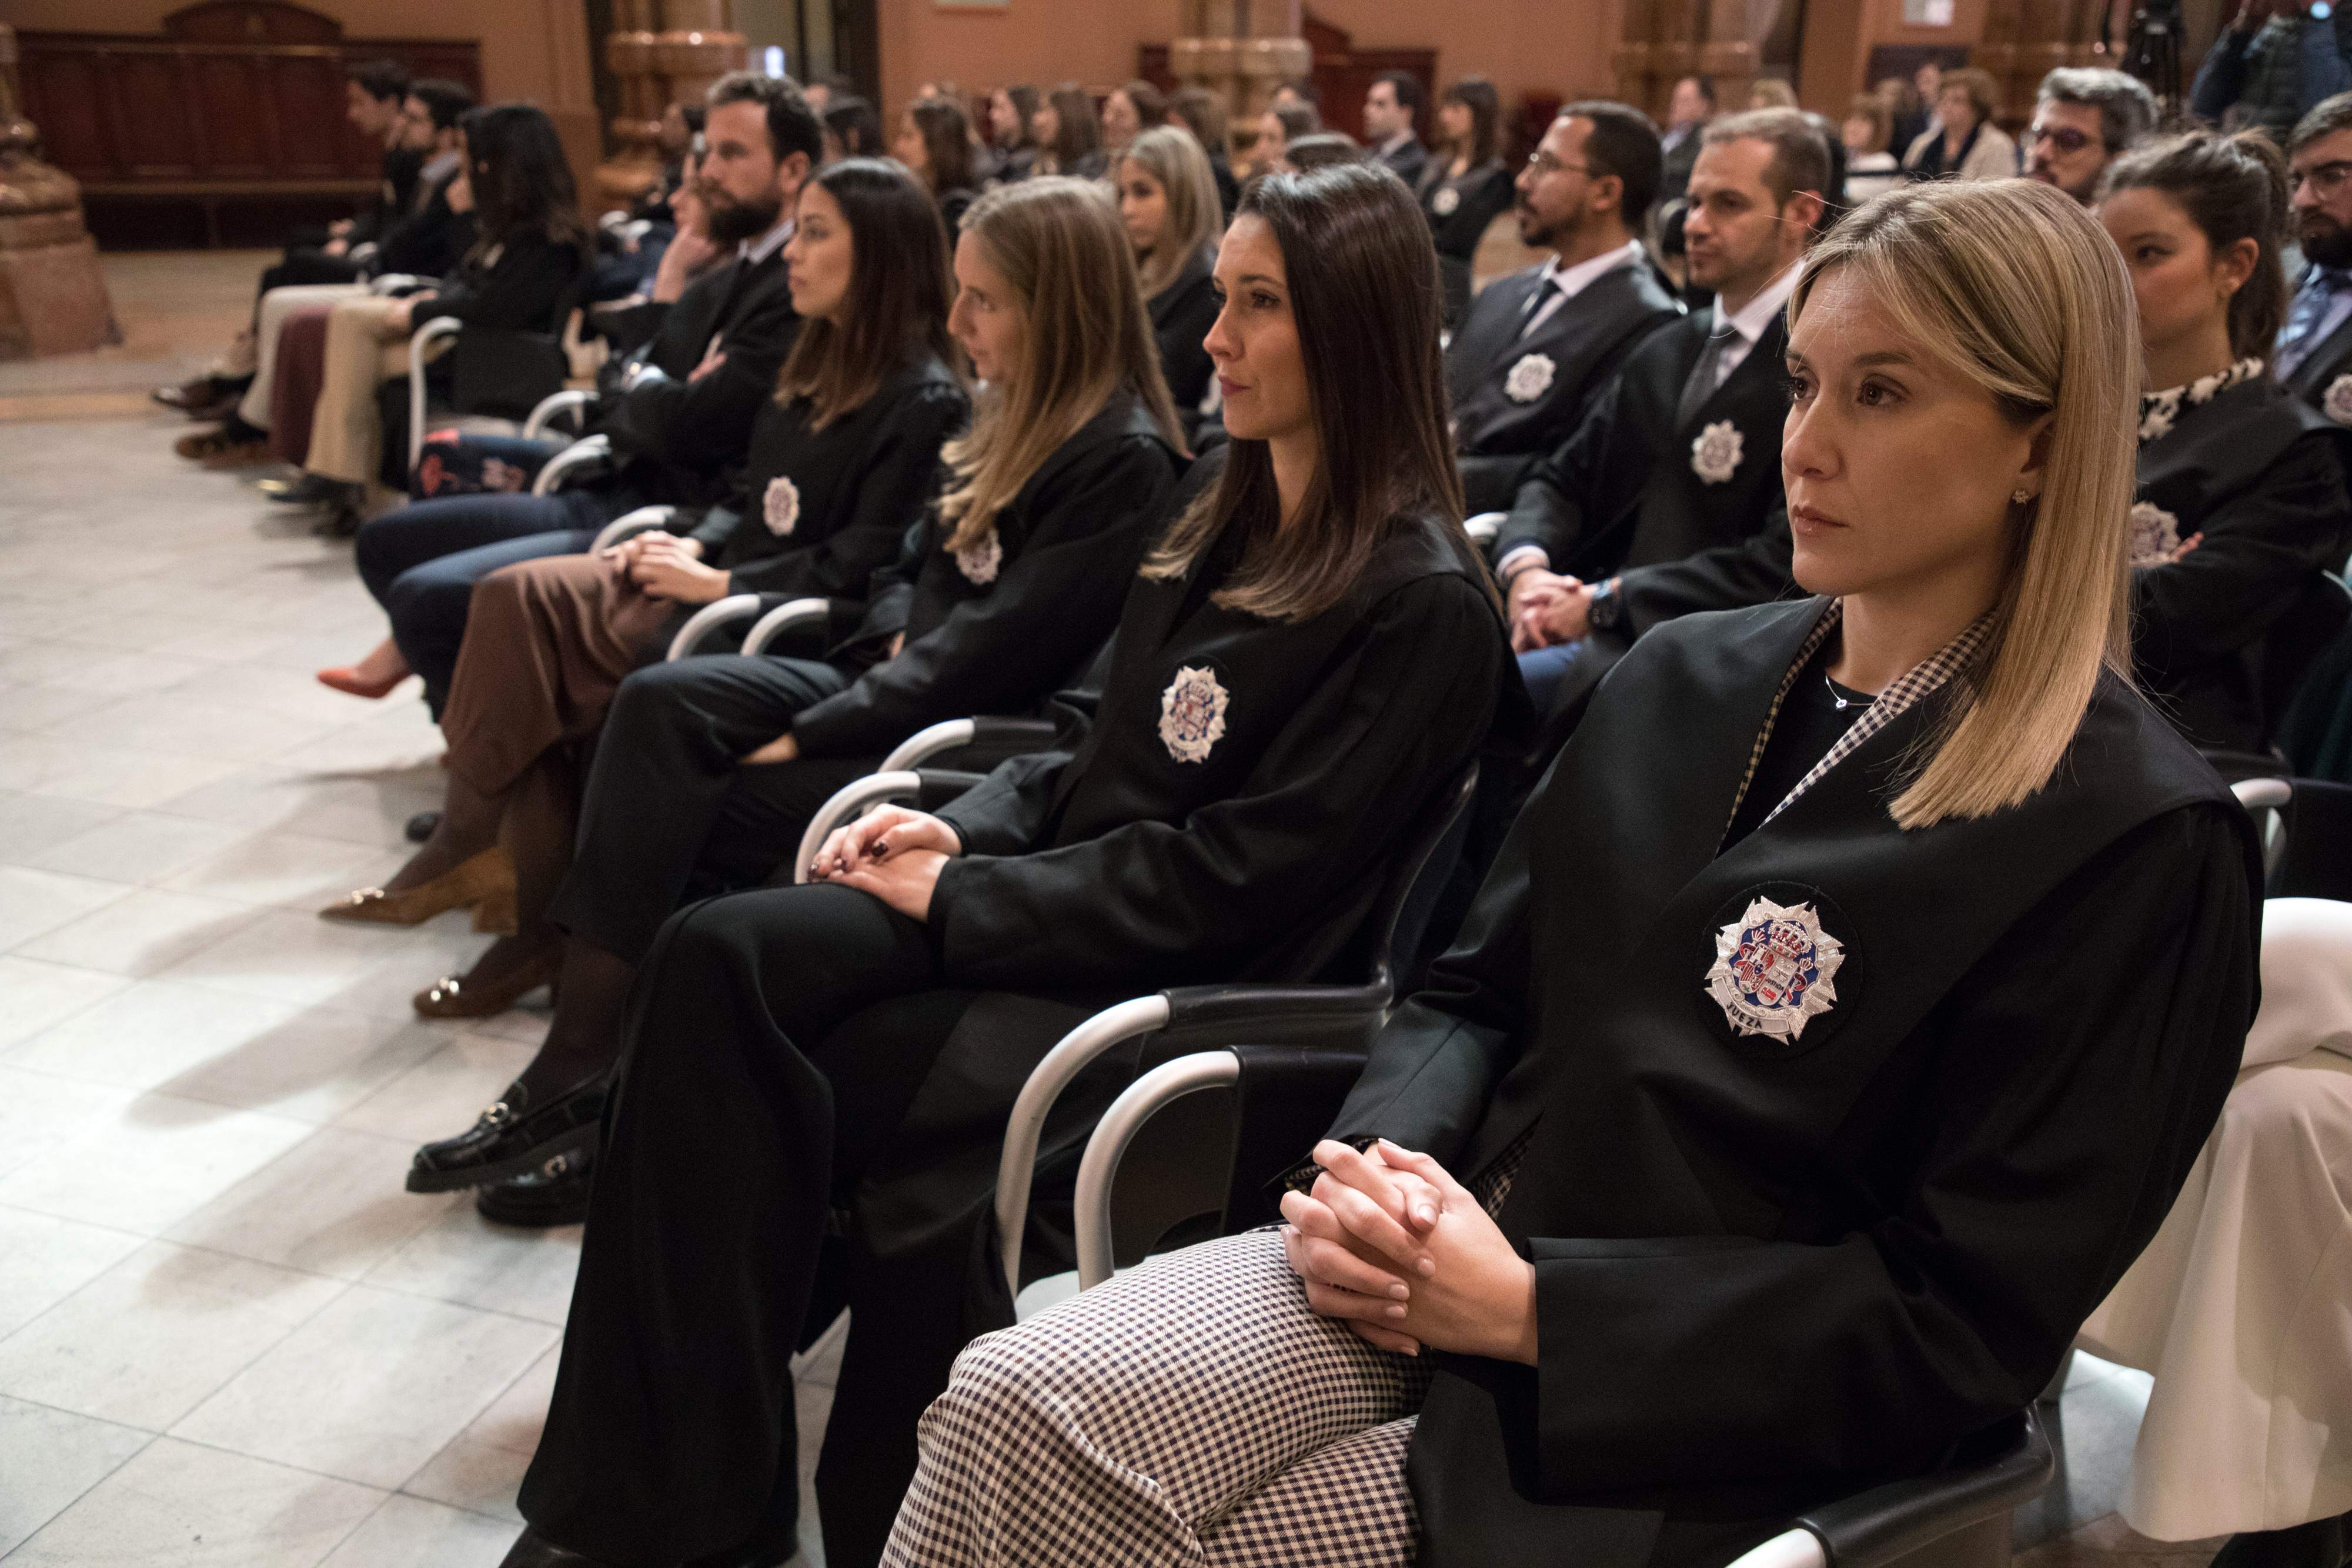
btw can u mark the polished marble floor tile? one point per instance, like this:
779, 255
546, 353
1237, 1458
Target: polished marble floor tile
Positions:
410, 1532
141, 848
179, 1505
146, 1166
30, 824
148, 1033
408, 1374
34, 903
41, 995
49, 1458
144, 932
48, 1260
464, 1259
331, 1204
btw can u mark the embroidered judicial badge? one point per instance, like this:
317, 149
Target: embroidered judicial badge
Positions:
2338, 404
2154, 534
1715, 455
980, 562
1530, 378
1192, 714
1775, 970
1446, 201
782, 505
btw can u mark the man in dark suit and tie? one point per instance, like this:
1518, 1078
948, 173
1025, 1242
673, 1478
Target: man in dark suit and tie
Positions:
1536, 347
1666, 500
2315, 348
1390, 111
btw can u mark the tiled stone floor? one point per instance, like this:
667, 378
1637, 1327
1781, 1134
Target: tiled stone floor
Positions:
227, 1335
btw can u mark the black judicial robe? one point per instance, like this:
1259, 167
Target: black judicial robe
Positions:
2326, 370
1459, 208
1773, 1271
1555, 372
1182, 315
678, 438
819, 511
989, 629
2261, 476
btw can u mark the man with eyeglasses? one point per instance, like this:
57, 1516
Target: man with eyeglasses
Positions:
1533, 347
2083, 121
2314, 358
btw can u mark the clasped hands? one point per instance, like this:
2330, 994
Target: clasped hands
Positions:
1389, 1243
891, 852
1546, 609
665, 566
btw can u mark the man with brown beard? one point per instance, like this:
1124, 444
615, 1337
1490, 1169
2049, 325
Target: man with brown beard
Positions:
2315, 348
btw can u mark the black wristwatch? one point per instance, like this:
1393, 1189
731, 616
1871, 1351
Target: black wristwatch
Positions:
1606, 612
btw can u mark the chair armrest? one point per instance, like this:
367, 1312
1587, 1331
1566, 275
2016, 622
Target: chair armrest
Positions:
571, 401
849, 802
1137, 1104
791, 615
628, 525
708, 618
998, 738
1483, 528
583, 453
385, 284
929, 742
1873, 1529
421, 339
1798, 1548
2266, 801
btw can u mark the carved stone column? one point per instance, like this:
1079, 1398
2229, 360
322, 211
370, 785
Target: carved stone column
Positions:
52, 295
1240, 49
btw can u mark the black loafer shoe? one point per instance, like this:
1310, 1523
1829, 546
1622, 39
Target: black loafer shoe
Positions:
554, 1194
420, 827
532, 1550
304, 490
511, 1137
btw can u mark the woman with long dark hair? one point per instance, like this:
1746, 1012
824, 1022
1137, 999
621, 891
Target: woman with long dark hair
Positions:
934, 140
1167, 200
1012, 131
523, 274
1069, 137
839, 465
1271, 721
1465, 187
1840, 1019
2241, 513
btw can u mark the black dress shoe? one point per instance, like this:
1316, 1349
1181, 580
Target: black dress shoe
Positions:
420, 827
554, 1194
511, 1137
342, 522
304, 490
203, 392
532, 1550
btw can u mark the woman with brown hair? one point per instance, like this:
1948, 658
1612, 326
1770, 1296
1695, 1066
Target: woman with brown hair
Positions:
1964, 143
1128, 112
1273, 716
1466, 188
1069, 137
1840, 1019
839, 464
1167, 200
934, 140
1012, 131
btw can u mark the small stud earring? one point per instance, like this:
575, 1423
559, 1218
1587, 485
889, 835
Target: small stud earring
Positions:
2021, 497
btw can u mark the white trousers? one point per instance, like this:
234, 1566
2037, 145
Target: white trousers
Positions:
276, 307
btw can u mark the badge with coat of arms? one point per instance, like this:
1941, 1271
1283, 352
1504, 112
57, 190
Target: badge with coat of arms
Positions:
2338, 404
1774, 969
1530, 377
979, 561
2154, 534
1192, 714
1717, 451
780, 506
1446, 201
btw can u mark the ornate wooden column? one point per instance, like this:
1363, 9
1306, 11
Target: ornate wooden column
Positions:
1670, 39
52, 296
660, 52
2024, 40
1240, 49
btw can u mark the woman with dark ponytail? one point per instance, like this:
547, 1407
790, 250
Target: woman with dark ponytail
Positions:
2242, 507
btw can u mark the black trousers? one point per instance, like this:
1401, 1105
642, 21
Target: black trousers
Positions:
809, 1116
671, 815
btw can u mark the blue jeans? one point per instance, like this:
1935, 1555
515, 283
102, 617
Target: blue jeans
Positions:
1545, 671
422, 561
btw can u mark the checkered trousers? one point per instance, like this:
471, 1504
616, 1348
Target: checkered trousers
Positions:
1190, 1411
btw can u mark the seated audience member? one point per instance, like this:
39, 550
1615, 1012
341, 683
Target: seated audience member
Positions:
1771, 92
1713, 1176
632, 243
934, 141
1270, 726
852, 129
1667, 498
1167, 200
1203, 113
524, 273
2315, 348
1301, 97
1128, 112
1321, 150
1391, 128
429, 242
2242, 509
1965, 144
2257, 1250
2083, 119
375, 98
825, 91
678, 412
1465, 187
2274, 64
1534, 347
710, 768
1689, 111
840, 463
1069, 138
1870, 169
1011, 115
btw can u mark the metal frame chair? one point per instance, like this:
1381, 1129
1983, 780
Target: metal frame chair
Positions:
902, 775
419, 341
589, 450
571, 403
